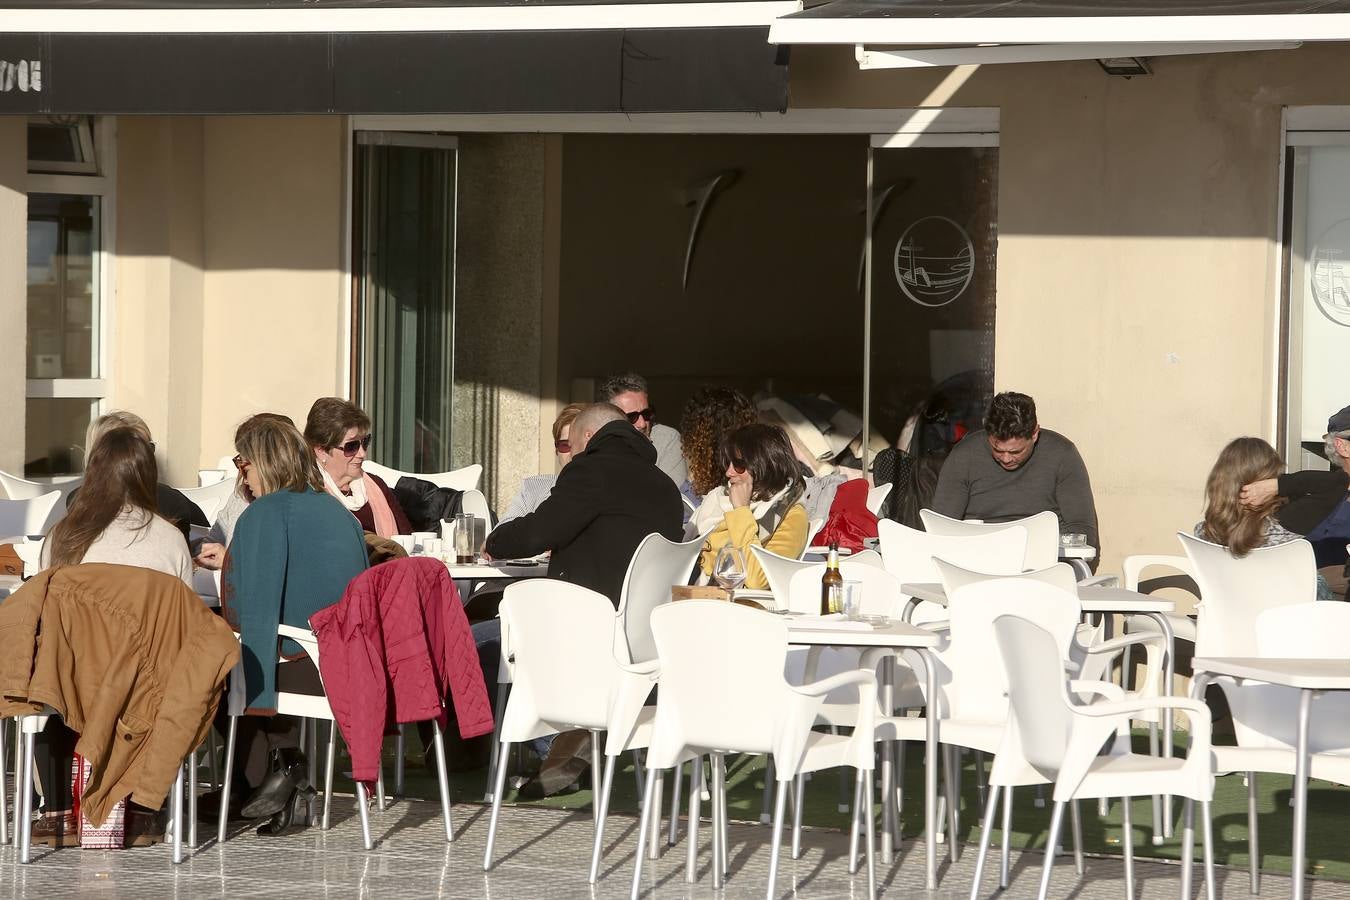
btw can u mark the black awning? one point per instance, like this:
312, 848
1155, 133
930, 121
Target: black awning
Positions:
1022, 9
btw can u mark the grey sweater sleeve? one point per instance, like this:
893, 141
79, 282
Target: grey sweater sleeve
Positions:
952, 495
1073, 492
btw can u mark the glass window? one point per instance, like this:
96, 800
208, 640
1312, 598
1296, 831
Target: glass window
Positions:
62, 309
405, 295
62, 145
54, 429
1318, 299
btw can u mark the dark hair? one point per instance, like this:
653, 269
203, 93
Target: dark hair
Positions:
709, 415
622, 383
1011, 415
768, 455
328, 420
121, 472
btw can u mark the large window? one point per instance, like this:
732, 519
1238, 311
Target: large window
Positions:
404, 295
66, 289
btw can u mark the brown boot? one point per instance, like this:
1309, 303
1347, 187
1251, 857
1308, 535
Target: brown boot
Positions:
57, 830
569, 757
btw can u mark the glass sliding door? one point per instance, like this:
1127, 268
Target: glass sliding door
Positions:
404, 294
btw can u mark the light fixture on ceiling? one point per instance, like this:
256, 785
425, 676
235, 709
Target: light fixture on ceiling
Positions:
1124, 66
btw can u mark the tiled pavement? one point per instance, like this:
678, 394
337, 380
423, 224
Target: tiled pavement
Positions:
542, 853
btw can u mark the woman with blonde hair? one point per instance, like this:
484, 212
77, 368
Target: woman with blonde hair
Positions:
294, 550
1227, 521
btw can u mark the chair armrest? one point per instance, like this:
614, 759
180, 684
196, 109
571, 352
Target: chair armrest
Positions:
1112, 692
1193, 708
1130, 640
1099, 581
825, 685
295, 634
650, 668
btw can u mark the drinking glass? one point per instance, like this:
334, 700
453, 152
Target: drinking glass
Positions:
729, 568
464, 539
853, 594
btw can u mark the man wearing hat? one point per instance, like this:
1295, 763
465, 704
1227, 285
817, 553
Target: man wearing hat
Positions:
1319, 506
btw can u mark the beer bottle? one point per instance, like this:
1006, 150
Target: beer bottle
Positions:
832, 583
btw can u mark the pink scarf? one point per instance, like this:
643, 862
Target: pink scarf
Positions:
363, 492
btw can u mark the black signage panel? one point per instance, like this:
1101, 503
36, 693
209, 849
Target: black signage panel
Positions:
706, 69
25, 78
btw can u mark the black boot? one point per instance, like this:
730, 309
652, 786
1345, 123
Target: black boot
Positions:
296, 814
286, 772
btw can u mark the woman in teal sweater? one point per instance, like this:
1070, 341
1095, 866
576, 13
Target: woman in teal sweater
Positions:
293, 552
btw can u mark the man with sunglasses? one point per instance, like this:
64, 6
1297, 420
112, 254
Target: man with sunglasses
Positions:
628, 392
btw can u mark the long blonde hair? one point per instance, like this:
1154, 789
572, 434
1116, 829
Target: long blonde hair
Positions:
1227, 521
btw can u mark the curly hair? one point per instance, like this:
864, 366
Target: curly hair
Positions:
710, 415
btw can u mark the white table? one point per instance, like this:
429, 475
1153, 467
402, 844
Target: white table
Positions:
895, 636
1102, 601
1309, 676
494, 570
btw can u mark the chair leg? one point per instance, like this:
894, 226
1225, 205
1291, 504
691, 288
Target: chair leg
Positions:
192, 800
311, 745
1253, 844
1077, 827
596, 767
769, 773
953, 800
1208, 837
212, 763
675, 804
639, 778
979, 775
328, 775
644, 824
443, 777
1056, 819
898, 806
602, 809
1157, 798
362, 804
855, 820
176, 813
991, 807
24, 791
717, 833
1127, 844
654, 845
797, 802
871, 846
695, 812
379, 784
1005, 857
726, 818
496, 758
226, 781
1187, 847
779, 805
4, 792
497, 790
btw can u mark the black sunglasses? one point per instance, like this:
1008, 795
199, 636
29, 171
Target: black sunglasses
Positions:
350, 448
649, 414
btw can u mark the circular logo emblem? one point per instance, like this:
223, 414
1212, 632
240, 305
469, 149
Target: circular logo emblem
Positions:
934, 261
1330, 271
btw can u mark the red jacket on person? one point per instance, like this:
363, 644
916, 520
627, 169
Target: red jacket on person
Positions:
399, 633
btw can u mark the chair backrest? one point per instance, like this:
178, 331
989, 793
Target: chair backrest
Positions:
721, 684
909, 553
17, 488
210, 498
656, 566
1236, 591
563, 669
1060, 575
974, 687
868, 558
813, 529
1304, 631
876, 497
210, 476
465, 479
31, 516
1042, 533
1040, 723
880, 589
778, 570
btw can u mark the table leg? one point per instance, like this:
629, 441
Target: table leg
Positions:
930, 769
1199, 682
887, 795
1301, 793
1169, 661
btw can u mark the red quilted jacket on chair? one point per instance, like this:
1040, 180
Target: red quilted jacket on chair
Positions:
391, 649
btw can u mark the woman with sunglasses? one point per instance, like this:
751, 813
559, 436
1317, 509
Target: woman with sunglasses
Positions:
535, 489
293, 552
339, 432
758, 503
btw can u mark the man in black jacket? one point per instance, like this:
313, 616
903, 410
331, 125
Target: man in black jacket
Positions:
608, 498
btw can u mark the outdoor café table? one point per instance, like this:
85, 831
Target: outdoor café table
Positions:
1103, 601
1309, 676
486, 571
812, 631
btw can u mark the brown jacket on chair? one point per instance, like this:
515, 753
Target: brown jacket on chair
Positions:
131, 659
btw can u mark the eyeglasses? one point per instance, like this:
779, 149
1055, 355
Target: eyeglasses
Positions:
349, 449
562, 446
739, 465
240, 463
649, 414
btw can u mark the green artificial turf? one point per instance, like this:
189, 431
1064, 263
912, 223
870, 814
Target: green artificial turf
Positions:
1328, 852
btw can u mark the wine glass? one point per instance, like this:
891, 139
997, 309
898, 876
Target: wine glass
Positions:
729, 568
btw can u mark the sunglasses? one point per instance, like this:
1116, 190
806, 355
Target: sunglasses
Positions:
649, 414
240, 463
562, 446
349, 449
739, 465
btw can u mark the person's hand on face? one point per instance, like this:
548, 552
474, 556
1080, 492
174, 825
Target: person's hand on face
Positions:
1259, 493
211, 556
740, 483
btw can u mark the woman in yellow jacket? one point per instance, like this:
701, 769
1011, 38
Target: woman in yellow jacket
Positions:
758, 504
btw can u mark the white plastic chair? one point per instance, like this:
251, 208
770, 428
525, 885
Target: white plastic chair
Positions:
1235, 593
1060, 740
211, 498
207, 477
465, 479
714, 649
17, 488
557, 685
909, 553
31, 516
778, 570
1042, 533
474, 503
876, 498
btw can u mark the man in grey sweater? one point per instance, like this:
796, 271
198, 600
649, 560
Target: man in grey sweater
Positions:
1013, 469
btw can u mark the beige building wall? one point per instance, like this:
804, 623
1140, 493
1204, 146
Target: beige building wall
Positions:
1137, 259
13, 286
